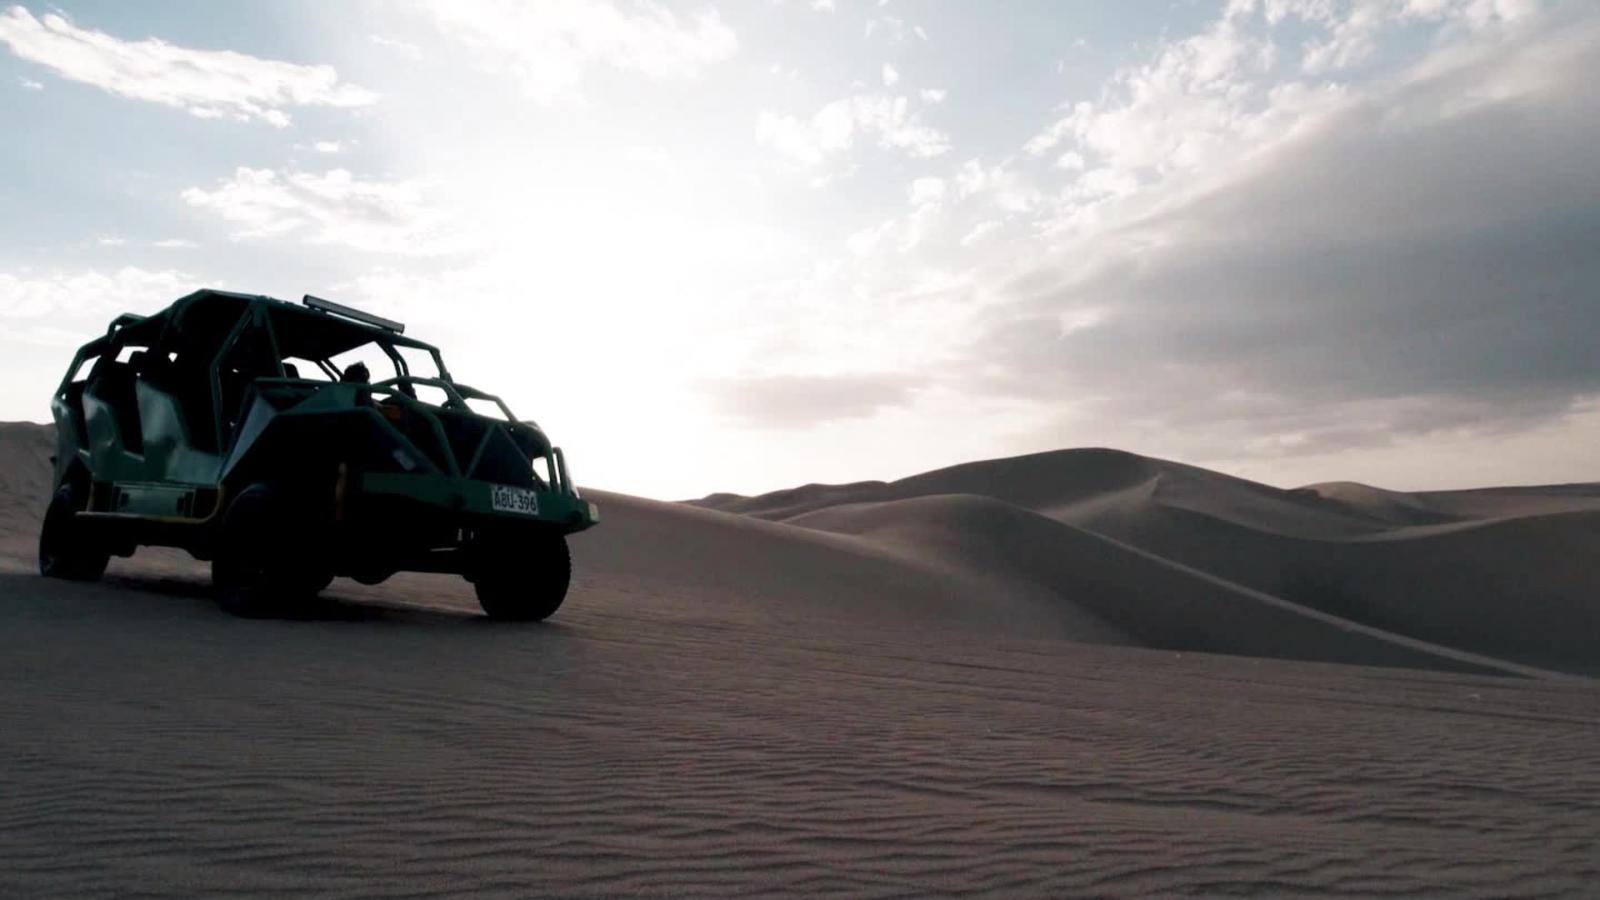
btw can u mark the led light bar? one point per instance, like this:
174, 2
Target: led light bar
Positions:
339, 309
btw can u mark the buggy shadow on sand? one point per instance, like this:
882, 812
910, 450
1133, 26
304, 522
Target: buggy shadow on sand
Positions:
249, 432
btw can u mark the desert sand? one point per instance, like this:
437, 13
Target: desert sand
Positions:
1076, 673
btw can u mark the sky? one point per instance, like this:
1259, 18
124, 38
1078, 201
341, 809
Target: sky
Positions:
743, 246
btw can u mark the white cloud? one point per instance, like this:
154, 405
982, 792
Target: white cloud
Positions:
1354, 28
927, 190
206, 83
549, 46
334, 207
1204, 103
866, 241
891, 76
327, 146
175, 244
110, 240
404, 48
890, 121
89, 294
1182, 110
893, 28
29, 84
1001, 183
823, 5
1194, 110
979, 232
932, 95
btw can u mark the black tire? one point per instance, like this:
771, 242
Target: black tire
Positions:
256, 568
523, 581
64, 550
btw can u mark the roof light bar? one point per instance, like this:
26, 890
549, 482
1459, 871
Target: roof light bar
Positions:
339, 309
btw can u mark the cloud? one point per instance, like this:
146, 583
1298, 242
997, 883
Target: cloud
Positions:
1353, 28
926, 190
979, 232
1191, 107
1207, 98
333, 207
1416, 257
891, 75
889, 121
550, 46
206, 83
798, 401
91, 295
28, 84
404, 48
893, 29
117, 240
1002, 184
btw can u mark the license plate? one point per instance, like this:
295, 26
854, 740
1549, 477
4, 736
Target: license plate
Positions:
514, 500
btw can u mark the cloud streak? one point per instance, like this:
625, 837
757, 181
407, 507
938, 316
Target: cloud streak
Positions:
206, 83
550, 47
87, 294
800, 401
332, 207
890, 122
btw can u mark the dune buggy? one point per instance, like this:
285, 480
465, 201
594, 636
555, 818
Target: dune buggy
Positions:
251, 433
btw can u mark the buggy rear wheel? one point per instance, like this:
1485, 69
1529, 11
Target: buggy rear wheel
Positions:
64, 550
524, 580
257, 569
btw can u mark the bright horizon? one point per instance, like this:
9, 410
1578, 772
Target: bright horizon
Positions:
741, 247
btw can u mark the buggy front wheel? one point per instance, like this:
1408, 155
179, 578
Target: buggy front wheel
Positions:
64, 550
258, 570
523, 581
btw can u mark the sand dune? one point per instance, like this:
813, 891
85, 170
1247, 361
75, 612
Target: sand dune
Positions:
1063, 482
756, 570
1161, 603
25, 450
1498, 572
1516, 587
1393, 507
903, 695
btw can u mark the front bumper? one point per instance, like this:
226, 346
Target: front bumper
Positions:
467, 499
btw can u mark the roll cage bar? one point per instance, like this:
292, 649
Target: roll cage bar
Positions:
257, 313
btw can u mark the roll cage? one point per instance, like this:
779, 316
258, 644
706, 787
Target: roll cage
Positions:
213, 344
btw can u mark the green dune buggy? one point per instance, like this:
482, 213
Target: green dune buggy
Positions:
251, 433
